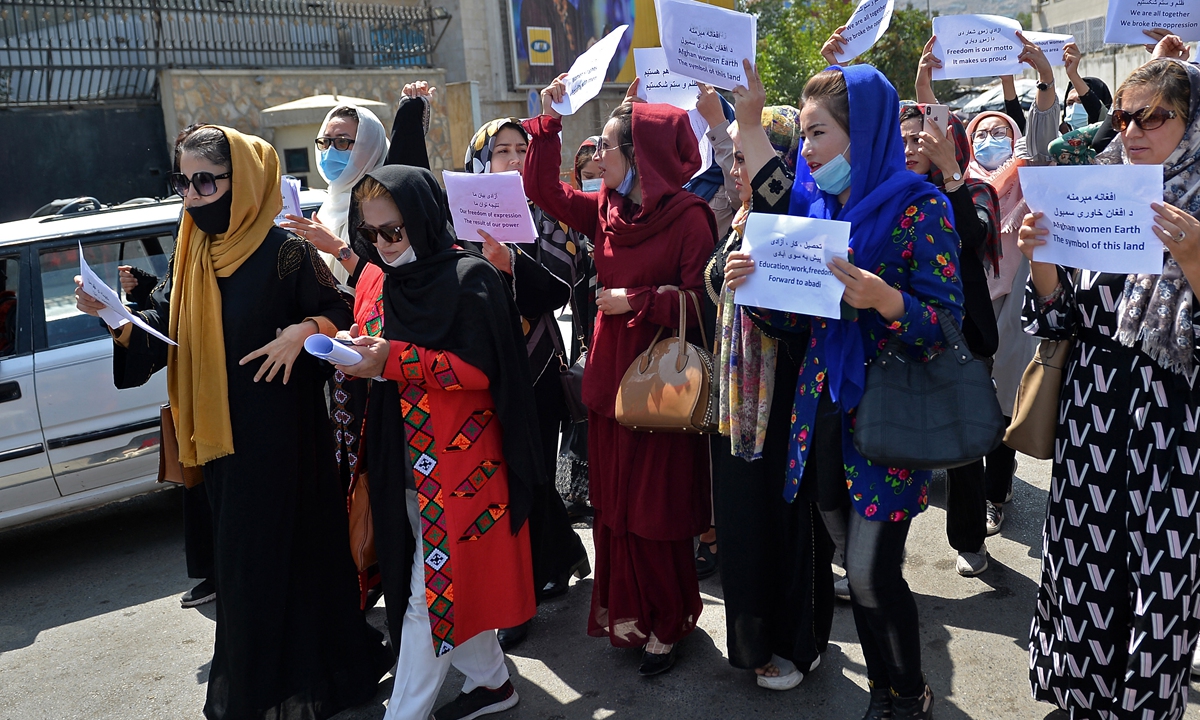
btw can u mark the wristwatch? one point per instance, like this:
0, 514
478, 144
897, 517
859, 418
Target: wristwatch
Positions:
956, 176
344, 254
1043, 87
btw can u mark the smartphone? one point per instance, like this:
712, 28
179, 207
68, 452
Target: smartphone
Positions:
939, 116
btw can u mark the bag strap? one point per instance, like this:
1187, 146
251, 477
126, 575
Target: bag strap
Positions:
559, 351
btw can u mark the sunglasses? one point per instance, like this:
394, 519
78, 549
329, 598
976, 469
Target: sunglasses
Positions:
205, 183
1143, 118
341, 143
391, 235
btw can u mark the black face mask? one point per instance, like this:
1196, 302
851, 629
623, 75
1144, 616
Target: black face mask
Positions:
213, 218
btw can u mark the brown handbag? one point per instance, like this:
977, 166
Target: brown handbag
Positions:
1035, 412
670, 388
169, 467
362, 526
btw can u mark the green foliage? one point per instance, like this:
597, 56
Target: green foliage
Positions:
1026, 20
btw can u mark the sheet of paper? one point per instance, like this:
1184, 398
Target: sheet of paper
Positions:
1128, 18
707, 43
492, 202
329, 349
864, 28
1099, 216
1052, 44
659, 84
586, 76
976, 46
700, 128
790, 256
114, 314
290, 188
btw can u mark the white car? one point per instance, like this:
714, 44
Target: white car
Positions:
68, 438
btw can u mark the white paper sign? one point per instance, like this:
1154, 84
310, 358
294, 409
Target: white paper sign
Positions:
1099, 216
976, 46
586, 75
290, 188
114, 314
658, 84
700, 129
1052, 44
492, 202
331, 350
790, 256
707, 43
864, 28
1128, 18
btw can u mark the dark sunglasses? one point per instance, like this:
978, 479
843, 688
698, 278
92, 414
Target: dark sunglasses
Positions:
341, 143
204, 182
1142, 118
369, 233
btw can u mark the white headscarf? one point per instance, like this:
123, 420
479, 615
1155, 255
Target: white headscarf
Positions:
368, 152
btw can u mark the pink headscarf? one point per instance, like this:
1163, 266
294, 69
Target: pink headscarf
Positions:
1007, 184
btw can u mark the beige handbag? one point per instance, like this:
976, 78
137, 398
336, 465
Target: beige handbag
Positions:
670, 388
1035, 412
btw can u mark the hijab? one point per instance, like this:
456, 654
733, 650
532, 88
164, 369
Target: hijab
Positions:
1100, 91
453, 300
591, 143
367, 153
197, 381
1006, 181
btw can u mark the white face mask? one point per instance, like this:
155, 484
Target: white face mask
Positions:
405, 258
592, 185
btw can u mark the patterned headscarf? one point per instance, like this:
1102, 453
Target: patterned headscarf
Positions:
479, 151
591, 143
782, 123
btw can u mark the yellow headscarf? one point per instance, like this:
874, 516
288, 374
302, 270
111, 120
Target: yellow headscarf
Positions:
197, 383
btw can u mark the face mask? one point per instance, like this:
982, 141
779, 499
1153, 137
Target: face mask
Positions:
213, 218
627, 183
993, 152
405, 258
333, 162
834, 176
593, 185
1077, 117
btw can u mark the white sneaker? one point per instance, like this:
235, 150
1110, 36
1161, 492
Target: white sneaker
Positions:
841, 589
995, 518
971, 564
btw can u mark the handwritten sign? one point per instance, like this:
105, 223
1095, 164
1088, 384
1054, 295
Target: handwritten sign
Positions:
976, 46
707, 43
1128, 18
492, 202
869, 22
790, 256
1099, 216
1053, 44
586, 75
659, 84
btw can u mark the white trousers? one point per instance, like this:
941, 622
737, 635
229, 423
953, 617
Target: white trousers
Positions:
419, 673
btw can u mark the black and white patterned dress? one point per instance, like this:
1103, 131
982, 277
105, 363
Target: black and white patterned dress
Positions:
1117, 608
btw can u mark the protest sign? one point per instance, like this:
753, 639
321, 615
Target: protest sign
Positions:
1053, 44
976, 46
1099, 216
1128, 18
707, 43
586, 75
790, 256
290, 188
864, 28
659, 84
492, 202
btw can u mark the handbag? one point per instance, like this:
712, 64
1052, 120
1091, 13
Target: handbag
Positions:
932, 415
571, 377
169, 468
1035, 411
362, 524
669, 387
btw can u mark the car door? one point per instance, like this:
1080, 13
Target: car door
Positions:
25, 477
95, 434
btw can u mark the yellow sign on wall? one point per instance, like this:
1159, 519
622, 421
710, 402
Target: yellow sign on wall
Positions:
541, 45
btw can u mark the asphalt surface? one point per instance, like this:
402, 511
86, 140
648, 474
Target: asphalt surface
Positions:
90, 627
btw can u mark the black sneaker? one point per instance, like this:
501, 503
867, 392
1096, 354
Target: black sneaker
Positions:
205, 592
479, 702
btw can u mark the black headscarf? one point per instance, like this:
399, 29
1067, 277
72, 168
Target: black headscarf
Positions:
453, 300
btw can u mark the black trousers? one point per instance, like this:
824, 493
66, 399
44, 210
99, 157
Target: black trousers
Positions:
967, 490
555, 545
198, 532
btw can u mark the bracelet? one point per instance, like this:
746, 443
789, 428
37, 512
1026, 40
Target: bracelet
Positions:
1052, 298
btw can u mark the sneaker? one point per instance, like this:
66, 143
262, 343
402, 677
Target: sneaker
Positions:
995, 517
205, 592
479, 702
841, 589
971, 564
914, 708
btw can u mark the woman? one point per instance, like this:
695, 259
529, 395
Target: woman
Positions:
776, 570
1132, 597
542, 274
290, 639
451, 446
650, 491
904, 283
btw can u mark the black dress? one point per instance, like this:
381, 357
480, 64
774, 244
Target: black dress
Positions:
290, 639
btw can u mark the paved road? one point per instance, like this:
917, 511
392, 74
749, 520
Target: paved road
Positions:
90, 627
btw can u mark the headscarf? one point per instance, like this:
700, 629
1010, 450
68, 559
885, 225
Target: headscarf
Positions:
1157, 309
453, 300
1006, 181
1075, 147
197, 381
367, 153
881, 186
782, 124
1101, 92
590, 143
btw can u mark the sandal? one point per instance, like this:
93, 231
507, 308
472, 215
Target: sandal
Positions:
706, 558
789, 675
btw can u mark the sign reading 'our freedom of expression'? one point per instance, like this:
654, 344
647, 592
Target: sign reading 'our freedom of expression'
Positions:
707, 43
869, 22
976, 46
790, 264
492, 202
1128, 18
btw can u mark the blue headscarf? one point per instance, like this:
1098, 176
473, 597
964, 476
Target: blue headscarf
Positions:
881, 187
707, 183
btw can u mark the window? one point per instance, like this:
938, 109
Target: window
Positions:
296, 160
65, 325
10, 277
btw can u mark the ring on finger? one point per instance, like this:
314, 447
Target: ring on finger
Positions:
1181, 236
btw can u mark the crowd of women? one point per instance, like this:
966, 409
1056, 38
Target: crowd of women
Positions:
454, 414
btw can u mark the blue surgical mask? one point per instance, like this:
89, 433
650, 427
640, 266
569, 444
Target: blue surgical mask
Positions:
1077, 117
993, 152
593, 185
834, 176
333, 162
626, 184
